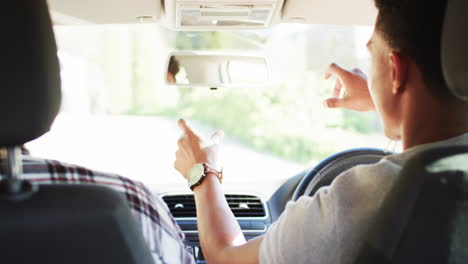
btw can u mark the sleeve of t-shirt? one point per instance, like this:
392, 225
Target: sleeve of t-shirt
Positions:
286, 240
323, 228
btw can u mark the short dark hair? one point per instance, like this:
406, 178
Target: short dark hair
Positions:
414, 28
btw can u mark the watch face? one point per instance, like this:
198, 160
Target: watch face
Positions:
195, 174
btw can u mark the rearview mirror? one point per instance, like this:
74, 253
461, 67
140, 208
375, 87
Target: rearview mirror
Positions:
216, 70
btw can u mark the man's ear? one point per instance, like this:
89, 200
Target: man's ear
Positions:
399, 68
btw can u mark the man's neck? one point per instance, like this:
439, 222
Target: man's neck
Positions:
427, 122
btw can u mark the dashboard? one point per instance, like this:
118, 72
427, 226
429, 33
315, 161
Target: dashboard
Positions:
251, 211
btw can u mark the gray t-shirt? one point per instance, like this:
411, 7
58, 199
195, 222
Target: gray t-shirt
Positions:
329, 227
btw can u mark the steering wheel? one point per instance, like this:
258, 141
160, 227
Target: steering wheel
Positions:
326, 171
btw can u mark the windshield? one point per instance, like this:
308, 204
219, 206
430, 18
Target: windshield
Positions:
118, 114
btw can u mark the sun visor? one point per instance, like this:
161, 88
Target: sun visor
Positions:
333, 12
68, 12
221, 14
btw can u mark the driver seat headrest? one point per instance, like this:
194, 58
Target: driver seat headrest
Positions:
455, 48
29, 72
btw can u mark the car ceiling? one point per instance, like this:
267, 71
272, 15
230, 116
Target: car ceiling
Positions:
339, 12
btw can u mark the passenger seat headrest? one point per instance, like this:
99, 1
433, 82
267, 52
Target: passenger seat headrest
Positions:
455, 48
30, 92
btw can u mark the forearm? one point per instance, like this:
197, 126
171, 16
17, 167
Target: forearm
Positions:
221, 238
217, 226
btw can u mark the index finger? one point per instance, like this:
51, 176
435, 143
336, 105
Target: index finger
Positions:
184, 126
337, 70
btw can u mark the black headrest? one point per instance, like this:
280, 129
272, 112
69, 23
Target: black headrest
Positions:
29, 72
455, 48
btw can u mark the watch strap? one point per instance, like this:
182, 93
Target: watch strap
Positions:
208, 169
218, 174
197, 183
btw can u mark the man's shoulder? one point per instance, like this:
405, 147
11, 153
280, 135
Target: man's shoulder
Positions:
33, 164
335, 217
401, 158
36, 167
369, 175
50, 171
357, 192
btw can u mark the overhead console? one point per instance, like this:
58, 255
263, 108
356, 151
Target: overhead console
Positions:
204, 15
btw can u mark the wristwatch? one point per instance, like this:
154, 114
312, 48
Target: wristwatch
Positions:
198, 173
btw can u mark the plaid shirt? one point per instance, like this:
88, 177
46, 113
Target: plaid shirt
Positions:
162, 235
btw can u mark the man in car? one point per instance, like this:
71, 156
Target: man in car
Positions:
162, 235
407, 89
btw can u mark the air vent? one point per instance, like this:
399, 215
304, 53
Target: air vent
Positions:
241, 205
181, 205
245, 205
